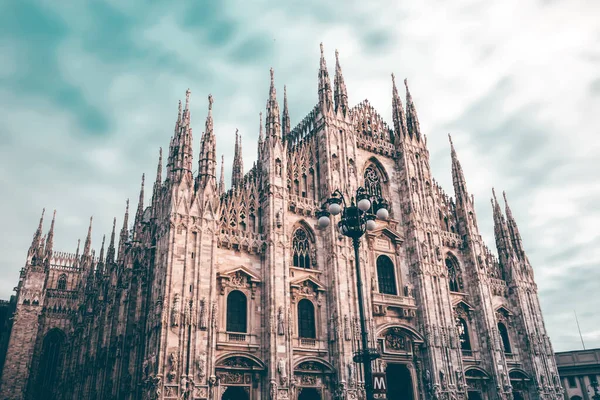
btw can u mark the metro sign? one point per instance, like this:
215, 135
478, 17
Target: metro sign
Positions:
379, 383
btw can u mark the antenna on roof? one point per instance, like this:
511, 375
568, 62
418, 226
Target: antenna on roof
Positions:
579, 329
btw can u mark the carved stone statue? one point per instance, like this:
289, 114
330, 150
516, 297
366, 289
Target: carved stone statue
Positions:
200, 367
280, 322
175, 311
351, 375
282, 371
203, 319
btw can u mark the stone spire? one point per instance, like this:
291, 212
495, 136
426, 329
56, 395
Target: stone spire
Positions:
88, 240
222, 178
273, 124
501, 233
140, 210
110, 254
124, 234
340, 94
37, 236
180, 152
101, 260
157, 185
261, 139
50, 242
513, 230
412, 122
285, 119
77, 251
324, 85
398, 115
207, 164
458, 177
237, 172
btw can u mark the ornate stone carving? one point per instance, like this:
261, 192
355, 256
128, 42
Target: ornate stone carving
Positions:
174, 364
280, 322
396, 340
351, 375
237, 362
203, 320
347, 328
200, 366
282, 372
175, 311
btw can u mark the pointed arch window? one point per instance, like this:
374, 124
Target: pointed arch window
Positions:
50, 364
301, 249
463, 334
373, 181
306, 319
386, 276
237, 312
62, 282
454, 283
505, 339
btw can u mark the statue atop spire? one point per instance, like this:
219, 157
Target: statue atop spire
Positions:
273, 123
49, 242
207, 162
237, 172
340, 92
398, 115
458, 177
325, 100
412, 122
222, 178
285, 119
88, 240
124, 237
110, 254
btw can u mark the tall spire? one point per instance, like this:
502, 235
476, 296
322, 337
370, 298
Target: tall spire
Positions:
50, 242
398, 114
222, 179
515, 236
340, 93
124, 233
207, 163
261, 137
88, 240
179, 163
324, 85
140, 209
285, 119
501, 233
458, 177
101, 260
237, 172
412, 122
273, 124
77, 251
157, 185
37, 236
110, 254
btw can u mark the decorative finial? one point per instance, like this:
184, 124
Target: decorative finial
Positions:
210, 102
187, 99
337, 56
406, 83
321, 45
272, 76
393, 79
450, 139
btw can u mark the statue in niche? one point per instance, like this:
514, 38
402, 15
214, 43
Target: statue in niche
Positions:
408, 290
278, 221
351, 375
214, 315
203, 313
200, 365
280, 322
443, 379
282, 371
183, 386
175, 311
346, 328
273, 390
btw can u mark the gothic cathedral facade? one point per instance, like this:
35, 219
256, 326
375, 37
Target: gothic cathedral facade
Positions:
235, 294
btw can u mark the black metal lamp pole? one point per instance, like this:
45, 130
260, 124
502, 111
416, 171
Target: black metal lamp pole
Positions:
356, 220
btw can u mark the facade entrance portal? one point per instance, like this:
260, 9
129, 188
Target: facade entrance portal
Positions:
236, 393
399, 382
309, 394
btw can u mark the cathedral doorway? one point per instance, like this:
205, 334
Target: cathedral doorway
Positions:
236, 393
399, 381
50, 364
474, 395
309, 394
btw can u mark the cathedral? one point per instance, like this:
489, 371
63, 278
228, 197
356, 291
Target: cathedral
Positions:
209, 292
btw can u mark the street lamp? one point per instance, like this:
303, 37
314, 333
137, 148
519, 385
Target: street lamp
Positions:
356, 219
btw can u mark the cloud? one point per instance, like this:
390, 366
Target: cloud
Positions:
89, 91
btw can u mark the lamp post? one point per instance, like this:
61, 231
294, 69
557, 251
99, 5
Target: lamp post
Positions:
355, 220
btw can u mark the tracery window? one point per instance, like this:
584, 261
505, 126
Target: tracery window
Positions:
372, 181
454, 283
306, 319
50, 364
505, 339
236, 312
301, 249
62, 282
386, 276
463, 334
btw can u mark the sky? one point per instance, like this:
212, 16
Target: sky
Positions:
89, 92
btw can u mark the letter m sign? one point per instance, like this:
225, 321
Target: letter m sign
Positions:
379, 383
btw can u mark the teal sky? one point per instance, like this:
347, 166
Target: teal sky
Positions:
89, 91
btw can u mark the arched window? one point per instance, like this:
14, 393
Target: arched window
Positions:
504, 335
62, 282
386, 276
372, 181
236, 312
301, 249
463, 334
306, 319
50, 364
453, 280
